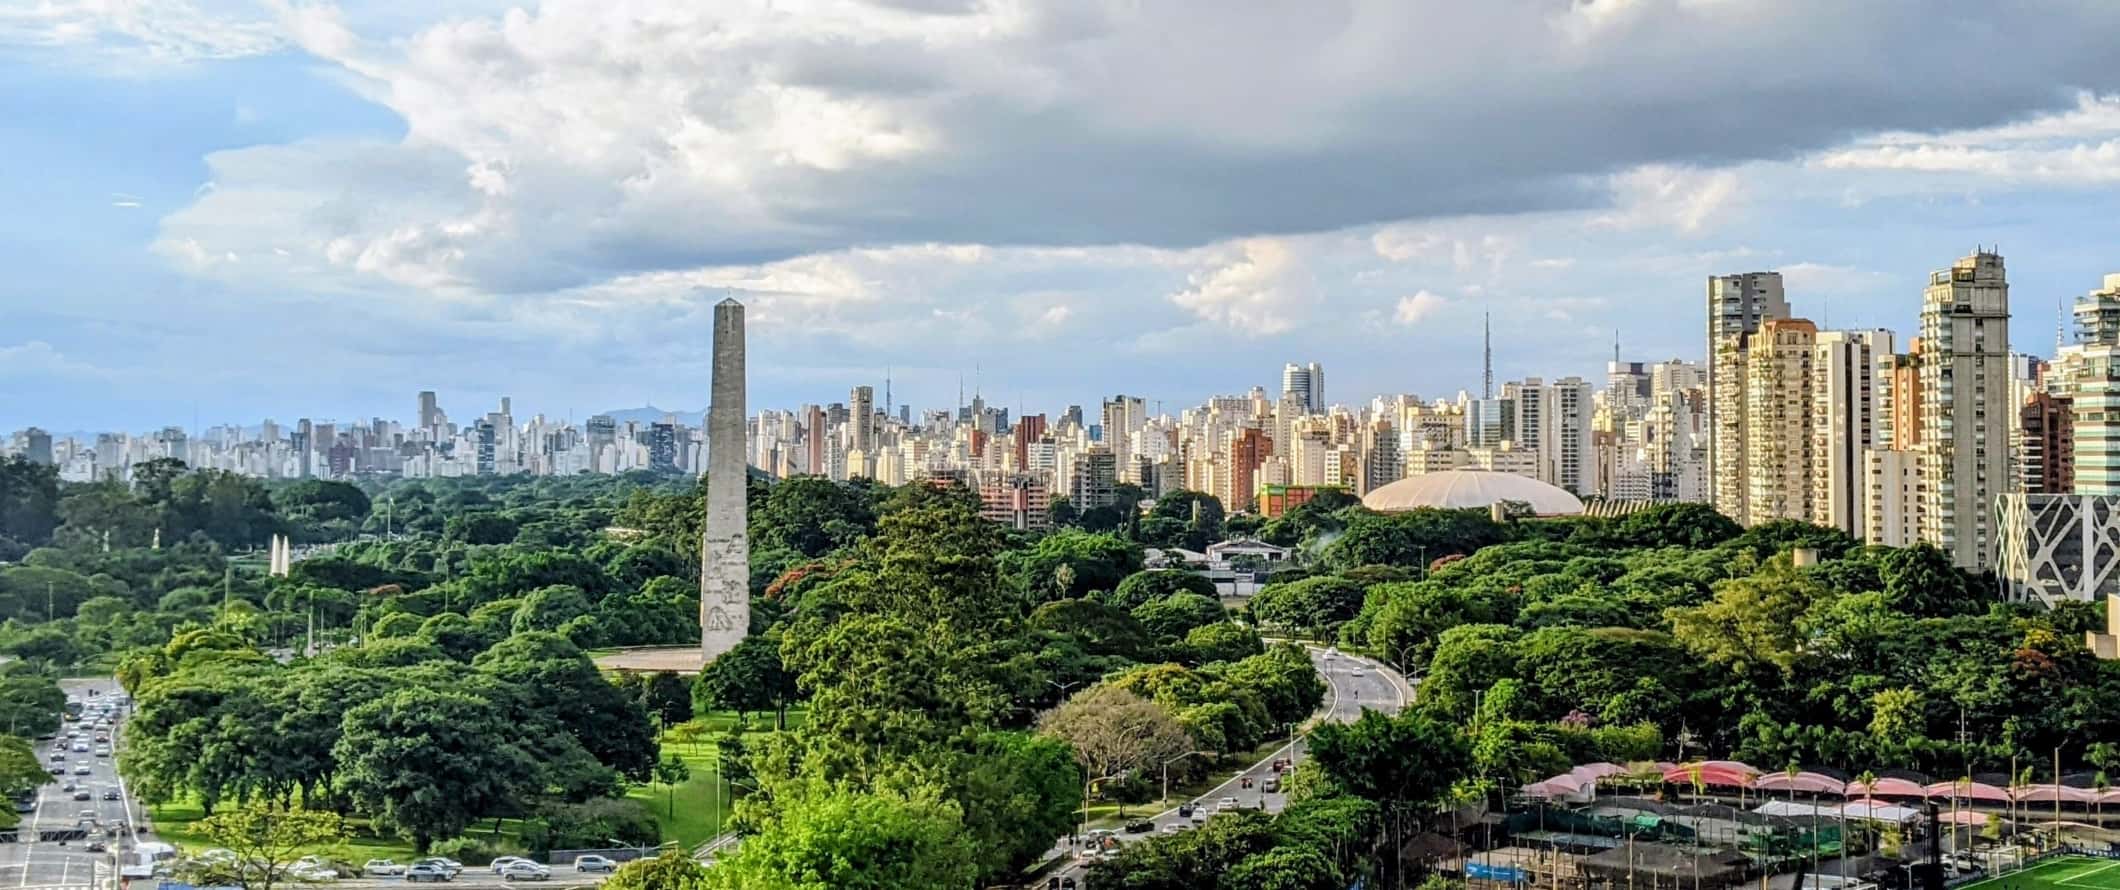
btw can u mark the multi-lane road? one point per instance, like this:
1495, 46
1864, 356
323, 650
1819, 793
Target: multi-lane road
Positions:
31, 864
1354, 684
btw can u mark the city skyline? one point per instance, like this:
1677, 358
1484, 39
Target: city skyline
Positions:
314, 216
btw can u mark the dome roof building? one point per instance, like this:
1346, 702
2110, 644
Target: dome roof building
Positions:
1471, 489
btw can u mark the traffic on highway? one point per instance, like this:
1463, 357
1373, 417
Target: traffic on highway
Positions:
1353, 683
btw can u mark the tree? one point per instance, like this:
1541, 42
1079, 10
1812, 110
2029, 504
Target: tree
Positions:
1221, 641
1113, 730
1753, 621
425, 763
672, 772
1094, 561
1412, 537
1177, 615
29, 505
667, 696
266, 838
1319, 604
553, 679
1142, 588
20, 773
1693, 526
745, 679
843, 840
673, 870
1405, 763
480, 528
813, 516
29, 703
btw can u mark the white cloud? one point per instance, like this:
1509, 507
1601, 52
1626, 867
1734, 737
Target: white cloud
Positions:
1257, 286
1054, 317
38, 359
124, 34
1414, 309
1684, 199
1553, 263
2074, 147
1826, 277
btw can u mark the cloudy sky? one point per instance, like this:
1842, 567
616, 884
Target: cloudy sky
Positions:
225, 210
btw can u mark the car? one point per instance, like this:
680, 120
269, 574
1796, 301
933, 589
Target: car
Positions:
505, 861
1272, 785
1200, 814
1227, 803
58, 770
80, 748
83, 795
1185, 811
1176, 827
82, 770
58, 756
89, 815
382, 868
444, 863
525, 870
593, 862
1357, 672
25, 806
97, 846
315, 873
112, 794
1140, 826
103, 751
103, 737
69, 787
427, 872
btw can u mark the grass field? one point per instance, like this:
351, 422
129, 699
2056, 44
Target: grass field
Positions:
2064, 873
173, 824
695, 809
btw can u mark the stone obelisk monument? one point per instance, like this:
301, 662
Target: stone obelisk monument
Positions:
725, 551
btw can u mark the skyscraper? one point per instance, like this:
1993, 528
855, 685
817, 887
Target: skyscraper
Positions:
1846, 406
2090, 376
1777, 421
38, 448
1965, 424
430, 413
861, 419
1737, 305
1295, 385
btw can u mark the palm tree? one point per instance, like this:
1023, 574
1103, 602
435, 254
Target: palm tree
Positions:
2100, 784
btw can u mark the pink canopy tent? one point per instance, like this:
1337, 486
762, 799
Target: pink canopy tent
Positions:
1887, 788
2052, 793
1718, 773
1969, 790
1813, 783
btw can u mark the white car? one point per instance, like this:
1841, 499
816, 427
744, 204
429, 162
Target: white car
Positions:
1227, 803
505, 861
525, 870
382, 868
314, 874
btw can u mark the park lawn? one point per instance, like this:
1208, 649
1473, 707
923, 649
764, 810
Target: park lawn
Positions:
2060, 873
174, 824
693, 811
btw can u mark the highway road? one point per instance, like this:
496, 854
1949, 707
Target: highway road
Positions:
30, 864
1354, 684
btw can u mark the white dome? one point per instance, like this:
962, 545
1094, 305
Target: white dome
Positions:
1461, 489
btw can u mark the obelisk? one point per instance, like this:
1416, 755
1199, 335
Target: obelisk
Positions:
725, 547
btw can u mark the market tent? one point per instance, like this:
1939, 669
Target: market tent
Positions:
1887, 787
1814, 783
1969, 790
2052, 793
1879, 811
1789, 809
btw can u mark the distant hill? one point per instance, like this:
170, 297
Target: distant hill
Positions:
650, 414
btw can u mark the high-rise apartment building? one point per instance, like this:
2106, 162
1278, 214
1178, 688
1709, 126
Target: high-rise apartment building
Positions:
1777, 418
2046, 450
1965, 424
1248, 450
2090, 375
1096, 477
1737, 306
1845, 407
37, 446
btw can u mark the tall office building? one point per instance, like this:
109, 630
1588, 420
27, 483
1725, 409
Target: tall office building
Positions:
1306, 383
861, 419
37, 446
1124, 416
1965, 424
1737, 305
430, 412
1571, 448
